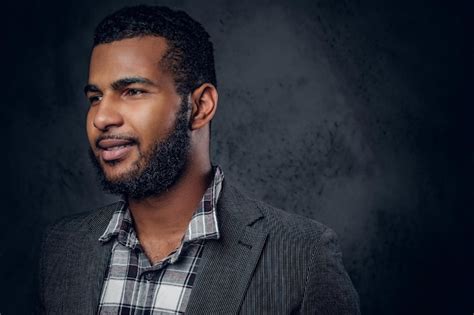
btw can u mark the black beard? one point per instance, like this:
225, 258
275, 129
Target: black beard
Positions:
157, 169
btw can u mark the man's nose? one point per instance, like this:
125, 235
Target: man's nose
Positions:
107, 114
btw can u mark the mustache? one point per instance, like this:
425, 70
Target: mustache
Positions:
130, 138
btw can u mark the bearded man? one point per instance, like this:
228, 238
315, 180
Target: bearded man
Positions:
183, 239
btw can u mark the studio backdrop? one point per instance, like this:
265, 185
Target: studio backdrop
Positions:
352, 113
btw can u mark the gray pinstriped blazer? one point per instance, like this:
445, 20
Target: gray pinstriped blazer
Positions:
266, 262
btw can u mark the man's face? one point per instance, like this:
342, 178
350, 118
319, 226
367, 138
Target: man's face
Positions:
137, 124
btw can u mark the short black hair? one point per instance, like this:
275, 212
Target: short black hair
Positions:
190, 55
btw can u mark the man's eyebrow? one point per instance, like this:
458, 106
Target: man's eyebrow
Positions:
91, 88
122, 83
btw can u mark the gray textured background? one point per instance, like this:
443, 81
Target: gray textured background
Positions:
354, 113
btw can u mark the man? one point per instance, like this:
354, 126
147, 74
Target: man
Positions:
183, 239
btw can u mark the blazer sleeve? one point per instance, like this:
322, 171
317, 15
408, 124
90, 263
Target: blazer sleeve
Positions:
328, 288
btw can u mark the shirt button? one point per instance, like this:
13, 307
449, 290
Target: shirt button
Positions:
149, 276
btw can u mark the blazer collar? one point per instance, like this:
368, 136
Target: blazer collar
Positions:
228, 263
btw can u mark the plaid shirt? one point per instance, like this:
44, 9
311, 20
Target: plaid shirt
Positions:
134, 286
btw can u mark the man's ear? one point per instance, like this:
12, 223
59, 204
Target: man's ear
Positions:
204, 105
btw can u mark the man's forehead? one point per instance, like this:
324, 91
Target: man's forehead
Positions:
146, 48
139, 56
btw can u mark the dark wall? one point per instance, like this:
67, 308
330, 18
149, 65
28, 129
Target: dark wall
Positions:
354, 113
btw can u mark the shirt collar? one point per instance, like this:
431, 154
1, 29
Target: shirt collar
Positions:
203, 224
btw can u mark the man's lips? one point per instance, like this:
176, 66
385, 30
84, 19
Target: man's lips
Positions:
114, 149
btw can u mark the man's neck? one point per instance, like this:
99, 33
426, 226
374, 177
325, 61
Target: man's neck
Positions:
168, 215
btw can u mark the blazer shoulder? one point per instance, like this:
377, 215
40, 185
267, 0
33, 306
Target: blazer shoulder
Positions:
292, 223
269, 219
84, 221
67, 246
328, 288
311, 251
81, 228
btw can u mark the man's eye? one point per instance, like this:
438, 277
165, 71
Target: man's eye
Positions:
94, 99
134, 92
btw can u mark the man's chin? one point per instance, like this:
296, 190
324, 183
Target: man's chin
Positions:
118, 183
115, 173
116, 169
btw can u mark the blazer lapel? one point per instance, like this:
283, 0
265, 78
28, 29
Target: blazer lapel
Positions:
91, 267
228, 263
